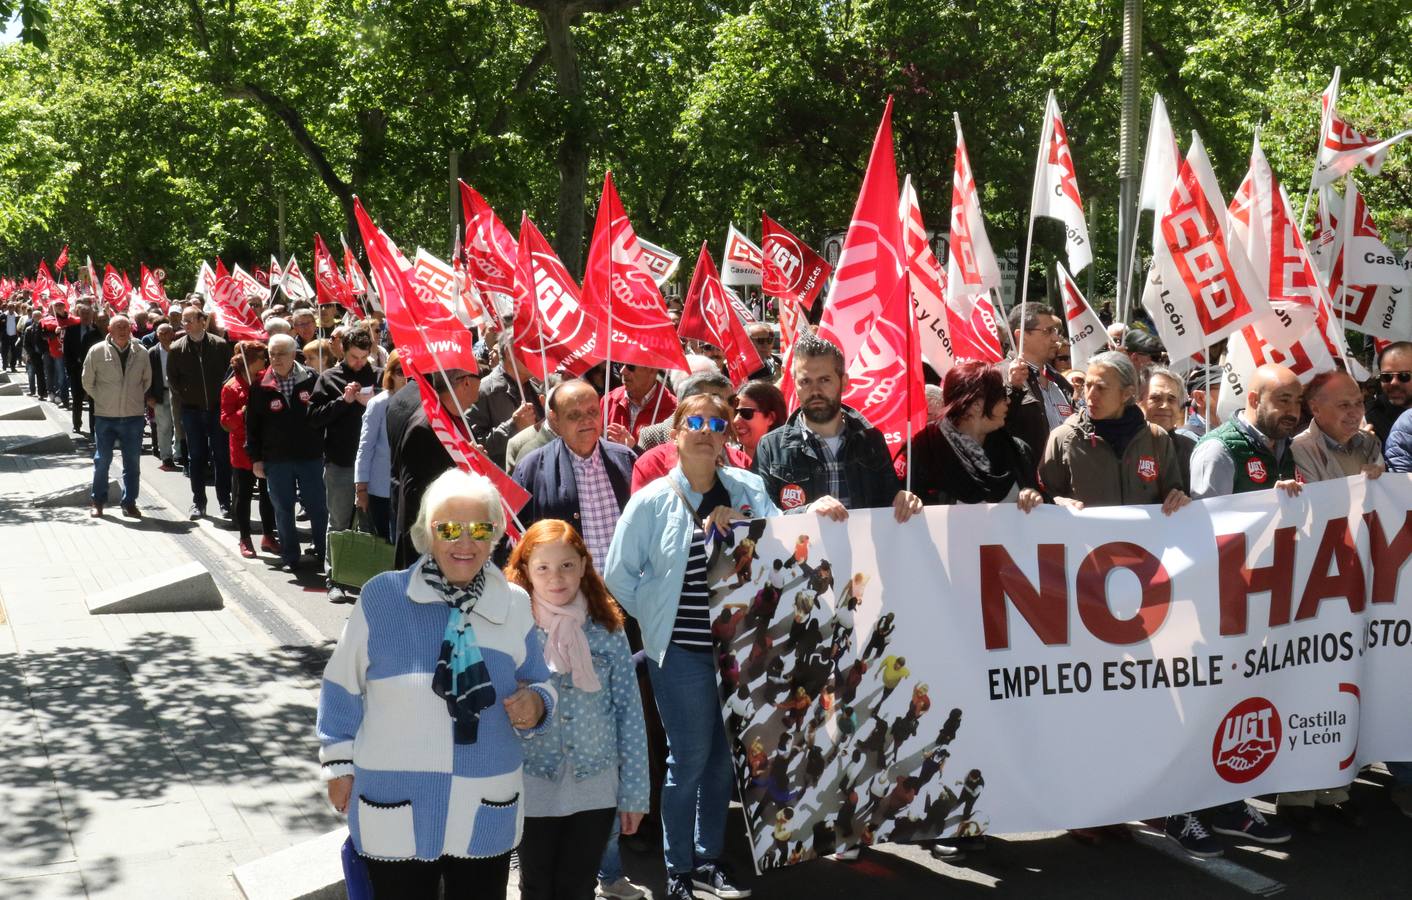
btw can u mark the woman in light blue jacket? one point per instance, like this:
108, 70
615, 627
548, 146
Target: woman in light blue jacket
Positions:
657, 569
372, 469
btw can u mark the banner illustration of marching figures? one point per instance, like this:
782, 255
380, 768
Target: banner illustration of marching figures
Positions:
982, 670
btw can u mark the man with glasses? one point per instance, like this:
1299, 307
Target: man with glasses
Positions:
1040, 398
1394, 389
826, 456
762, 335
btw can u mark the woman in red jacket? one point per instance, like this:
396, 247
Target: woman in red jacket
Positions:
248, 363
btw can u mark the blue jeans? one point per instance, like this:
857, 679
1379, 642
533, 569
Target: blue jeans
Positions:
206, 439
57, 377
303, 478
700, 773
610, 867
126, 431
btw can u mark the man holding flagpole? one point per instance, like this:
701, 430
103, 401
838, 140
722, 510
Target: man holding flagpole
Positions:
1040, 400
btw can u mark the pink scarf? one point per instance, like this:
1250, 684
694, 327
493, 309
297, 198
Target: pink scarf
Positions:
566, 646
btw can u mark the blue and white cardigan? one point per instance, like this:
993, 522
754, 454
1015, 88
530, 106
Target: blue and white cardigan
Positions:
416, 793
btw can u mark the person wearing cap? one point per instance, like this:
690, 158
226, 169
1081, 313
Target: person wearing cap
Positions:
1142, 348
1203, 389
1394, 394
328, 320
1040, 399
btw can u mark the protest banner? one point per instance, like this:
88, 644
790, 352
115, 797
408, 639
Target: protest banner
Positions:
981, 670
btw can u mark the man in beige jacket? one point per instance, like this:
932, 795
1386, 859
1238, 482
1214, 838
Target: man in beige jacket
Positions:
117, 374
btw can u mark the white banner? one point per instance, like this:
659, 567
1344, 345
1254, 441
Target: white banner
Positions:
982, 670
741, 261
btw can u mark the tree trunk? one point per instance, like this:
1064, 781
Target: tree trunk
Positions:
573, 145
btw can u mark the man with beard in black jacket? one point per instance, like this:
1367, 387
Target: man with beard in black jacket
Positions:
826, 455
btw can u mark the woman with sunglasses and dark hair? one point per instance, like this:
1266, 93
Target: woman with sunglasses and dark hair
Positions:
657, 568
437, 678
759, 409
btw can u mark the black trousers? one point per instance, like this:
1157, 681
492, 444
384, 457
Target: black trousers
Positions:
466, 879
78, 399
243, 485
9, 348
559, 856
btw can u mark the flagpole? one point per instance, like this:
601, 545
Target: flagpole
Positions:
1044, 137
1324, 118
1346, 226
911, 327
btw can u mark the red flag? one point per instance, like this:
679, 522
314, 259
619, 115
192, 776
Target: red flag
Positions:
885, 380
329, 284
63, 259
791, 268
490, 250
127, 288
43, 282
707, 316
871, 263
618, 291
151, 289
113, 293
569, 339
468, 458
238, 319
353, 273
426, 333
976, 338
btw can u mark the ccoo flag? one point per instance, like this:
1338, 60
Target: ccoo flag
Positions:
928, 284
1087, 337
1056, 188
1342, 147
971, 270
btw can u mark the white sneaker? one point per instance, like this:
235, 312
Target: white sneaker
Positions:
846, 853
622, 889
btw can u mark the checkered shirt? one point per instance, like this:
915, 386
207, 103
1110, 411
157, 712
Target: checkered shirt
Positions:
833, 467
598, 505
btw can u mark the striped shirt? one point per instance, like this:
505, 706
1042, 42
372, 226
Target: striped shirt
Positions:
692, 628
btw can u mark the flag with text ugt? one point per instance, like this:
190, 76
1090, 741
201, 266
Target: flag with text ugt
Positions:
707, 315
870, 266
236, 315
1200, 288
552, 328
151, 289
489, 249
885, 378
619, 292
790, 269
113, 297
1056, 194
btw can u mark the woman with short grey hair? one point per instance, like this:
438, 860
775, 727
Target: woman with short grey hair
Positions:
437, 678
1108, 454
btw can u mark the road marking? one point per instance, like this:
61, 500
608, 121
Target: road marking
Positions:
1247, 880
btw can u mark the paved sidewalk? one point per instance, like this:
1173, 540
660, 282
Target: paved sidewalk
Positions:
147, 755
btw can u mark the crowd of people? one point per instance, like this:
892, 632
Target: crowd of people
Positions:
548, 696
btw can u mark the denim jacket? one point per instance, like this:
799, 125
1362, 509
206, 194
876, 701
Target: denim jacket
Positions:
599, 728
647, 559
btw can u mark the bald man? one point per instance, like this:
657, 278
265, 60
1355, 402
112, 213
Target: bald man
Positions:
1335, 444
1251, 452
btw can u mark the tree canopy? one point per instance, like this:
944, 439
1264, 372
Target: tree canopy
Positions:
171, 132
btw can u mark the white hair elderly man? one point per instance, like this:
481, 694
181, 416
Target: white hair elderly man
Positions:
116, 374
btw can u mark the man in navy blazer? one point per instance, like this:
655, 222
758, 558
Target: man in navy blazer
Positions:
578, 477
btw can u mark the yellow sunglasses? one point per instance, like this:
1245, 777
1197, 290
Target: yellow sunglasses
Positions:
454, 531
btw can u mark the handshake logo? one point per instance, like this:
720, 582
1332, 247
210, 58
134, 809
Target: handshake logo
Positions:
1246, 740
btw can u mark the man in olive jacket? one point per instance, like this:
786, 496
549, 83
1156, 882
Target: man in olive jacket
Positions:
116, 373
196, 369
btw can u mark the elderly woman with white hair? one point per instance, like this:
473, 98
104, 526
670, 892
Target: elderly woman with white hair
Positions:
1108, 454
286, 449
435, 681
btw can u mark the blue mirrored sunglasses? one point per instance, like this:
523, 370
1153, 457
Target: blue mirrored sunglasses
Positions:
701, 423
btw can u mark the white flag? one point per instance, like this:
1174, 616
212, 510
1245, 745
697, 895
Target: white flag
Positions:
1199, 289
1159, 163
927, 284
971, 269
660, 263
253, 291
742, 261
205, 281
1373, 295
1087, 336
1342, 147
1056, 188
295, 287
1246, 351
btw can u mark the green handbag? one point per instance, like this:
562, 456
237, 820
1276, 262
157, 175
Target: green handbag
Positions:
355, 556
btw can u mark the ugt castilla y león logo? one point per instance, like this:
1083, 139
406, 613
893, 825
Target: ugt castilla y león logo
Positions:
1246, 740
